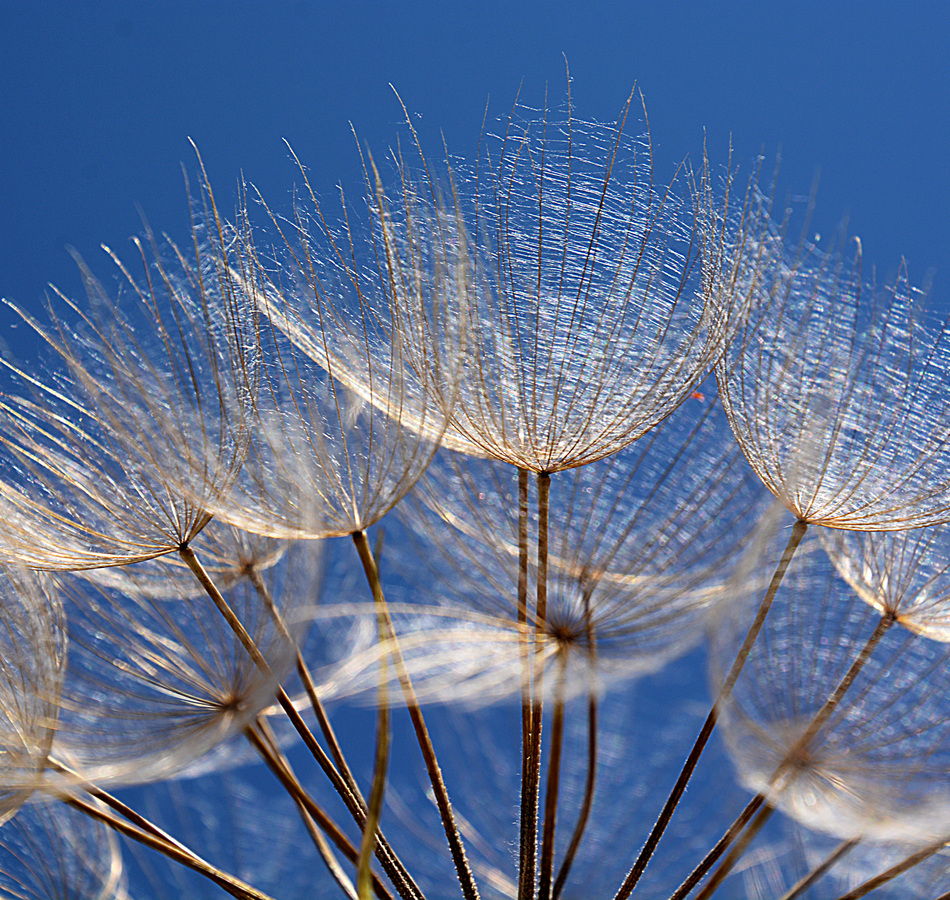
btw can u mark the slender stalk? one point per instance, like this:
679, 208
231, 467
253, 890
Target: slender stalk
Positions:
378, 788
173, 850
666, 814
591, 781
531, 787
588, 801
553, 783
464, 872
734, 855
303, 670
804, 883
888, 875
820, 718
262, 742
712, 857
523, 890
353, 803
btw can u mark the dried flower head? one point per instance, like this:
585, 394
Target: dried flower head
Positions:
119, 456
641, 546
364, 354
591, 319
836, 392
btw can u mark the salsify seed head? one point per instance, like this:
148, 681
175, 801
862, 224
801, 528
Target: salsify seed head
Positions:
593, 316
117, 455
365, 345
836, 390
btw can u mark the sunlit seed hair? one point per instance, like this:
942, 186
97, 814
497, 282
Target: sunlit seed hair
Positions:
32, 669
904, 574
592, 319
836, 390
156, 682
641, 548
364, 350
117, 455
876, 769
50, 852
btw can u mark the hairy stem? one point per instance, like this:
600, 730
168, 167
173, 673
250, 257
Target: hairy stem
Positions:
553, 783
735, 854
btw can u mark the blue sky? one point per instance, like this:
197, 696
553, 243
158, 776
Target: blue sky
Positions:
99, 99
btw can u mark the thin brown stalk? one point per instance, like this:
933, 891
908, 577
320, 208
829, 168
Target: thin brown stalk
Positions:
352, 803
172, 849
262, 741
723, 844
454, 838
588, 801
525, 668
800, 745
303, 670
666, 814
808, 880
734, 855
888, 875
378, 787
531, 787
553, 785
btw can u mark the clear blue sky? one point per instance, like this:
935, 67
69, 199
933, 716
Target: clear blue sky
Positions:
98, 99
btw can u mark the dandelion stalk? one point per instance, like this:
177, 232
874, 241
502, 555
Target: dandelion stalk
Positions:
466, 880
591, 780
818, 872
551, 791
639, 867
380, 762
352, 803
725, 867
172, 849
277, 763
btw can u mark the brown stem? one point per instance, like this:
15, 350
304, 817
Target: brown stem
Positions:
726, 866
711, 858
553, 784
820, 718
531, 786
803, 884
303, 670
888, 875
464, 872
378, 787
278, 764
526, 715
666, 814
173, 850
588, 801
352, 803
